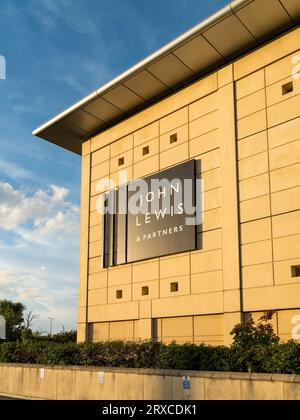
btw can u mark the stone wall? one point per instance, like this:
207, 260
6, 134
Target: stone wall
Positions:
75, 383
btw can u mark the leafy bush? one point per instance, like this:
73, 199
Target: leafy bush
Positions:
193, 357
253, 344
60, 338
285, 359
13, 314
256, 348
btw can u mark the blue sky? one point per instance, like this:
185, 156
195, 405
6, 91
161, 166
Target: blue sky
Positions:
58, 51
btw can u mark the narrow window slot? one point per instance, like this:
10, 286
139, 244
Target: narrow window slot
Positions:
119, 294
173, 138
146, 151
287, 88
145, 291
174, 287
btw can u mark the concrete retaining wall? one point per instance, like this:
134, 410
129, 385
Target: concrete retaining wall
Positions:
75, 383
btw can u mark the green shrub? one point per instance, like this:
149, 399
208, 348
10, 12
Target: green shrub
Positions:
253, 344
256, 348
285, 359
193, 357
60, 338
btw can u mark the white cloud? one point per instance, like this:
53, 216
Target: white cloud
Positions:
38, 267
37, 294
46, 211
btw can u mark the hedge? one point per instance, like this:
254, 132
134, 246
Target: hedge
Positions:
278, 357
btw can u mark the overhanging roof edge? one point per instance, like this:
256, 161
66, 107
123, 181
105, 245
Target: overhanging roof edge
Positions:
204, 25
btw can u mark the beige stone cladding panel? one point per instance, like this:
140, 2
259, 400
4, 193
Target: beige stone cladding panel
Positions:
284, 111
113, 294
98, 277
174, 156
101, 331
183, 286
209, 330
259, 275
283, 90
287, 247
254, 187
257, 253
285, 133
252, 124
146, 167
204, 304
250, 84
197, 329
253, 145
283, 271
122, 161
287, 224
251, 104
256, 208
273, 297
96, 218
174, 138
121, 330
204, 106
268, 55
289, 325
146, 150
121, 146
285, 178
100, 171
208, 282
174, 120
282, 68
285, 201
97, 297
145, 271
177, 329
113, 312
253, 165
96, 233
152, 290
95, 248
143, 329
286, 155
146, 134
256, 231
102, 155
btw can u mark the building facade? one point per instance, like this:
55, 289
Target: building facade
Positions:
241, 121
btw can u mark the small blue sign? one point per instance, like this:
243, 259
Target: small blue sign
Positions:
186, 383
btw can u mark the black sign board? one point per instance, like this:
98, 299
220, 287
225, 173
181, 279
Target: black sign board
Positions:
159, 217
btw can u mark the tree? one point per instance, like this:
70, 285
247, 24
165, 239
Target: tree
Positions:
253, 343
13, 314
29, 318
